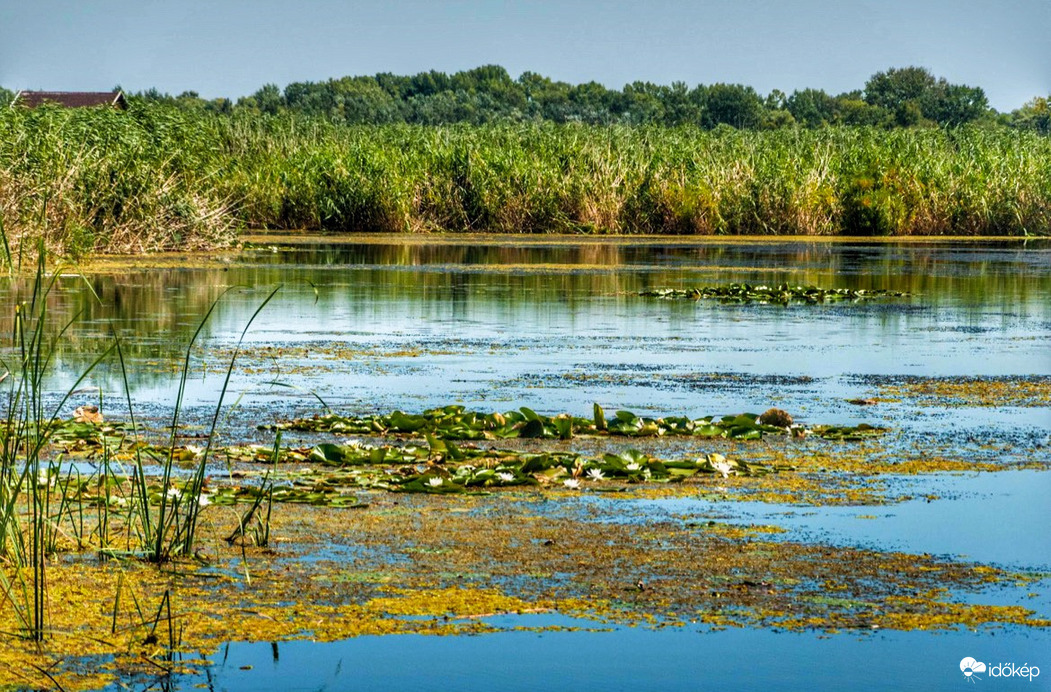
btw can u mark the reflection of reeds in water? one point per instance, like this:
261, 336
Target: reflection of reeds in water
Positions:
156, 311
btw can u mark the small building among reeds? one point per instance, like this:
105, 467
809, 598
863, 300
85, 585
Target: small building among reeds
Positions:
71, 99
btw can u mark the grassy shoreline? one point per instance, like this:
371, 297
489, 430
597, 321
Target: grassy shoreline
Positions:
159, 179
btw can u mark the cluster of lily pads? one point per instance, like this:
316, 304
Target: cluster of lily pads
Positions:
444, 467
295, 489
782, 294
457, 423
441, 459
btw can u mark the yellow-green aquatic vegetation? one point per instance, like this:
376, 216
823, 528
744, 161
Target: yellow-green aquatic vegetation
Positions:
1031, 391
433, 565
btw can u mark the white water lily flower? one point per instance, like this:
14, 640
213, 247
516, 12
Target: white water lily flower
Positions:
174, 493
571, 483
434, 481
633, 466
505, 477
595, 474
204, 500
195, 450
723, 467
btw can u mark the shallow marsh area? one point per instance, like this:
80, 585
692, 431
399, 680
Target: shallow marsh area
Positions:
922, 543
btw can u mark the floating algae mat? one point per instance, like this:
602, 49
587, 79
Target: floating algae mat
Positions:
782, 294
446, 566
1031, 391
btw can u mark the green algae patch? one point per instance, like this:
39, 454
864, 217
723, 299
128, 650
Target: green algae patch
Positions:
113, 620
1029, 391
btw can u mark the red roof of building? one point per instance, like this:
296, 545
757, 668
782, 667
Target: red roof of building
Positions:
71, 99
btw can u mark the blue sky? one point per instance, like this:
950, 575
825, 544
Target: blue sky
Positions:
232, 47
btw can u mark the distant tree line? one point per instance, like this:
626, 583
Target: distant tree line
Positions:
899, 97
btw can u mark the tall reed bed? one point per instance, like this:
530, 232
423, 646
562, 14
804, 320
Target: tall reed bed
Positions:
158, 178
98, 180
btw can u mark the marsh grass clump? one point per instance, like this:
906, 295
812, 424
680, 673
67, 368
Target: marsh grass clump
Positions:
42, 497
104, 181
547, 178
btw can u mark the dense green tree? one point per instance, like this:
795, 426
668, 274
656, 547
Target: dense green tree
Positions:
897, 86
733, 104
267, 100
954, 104
428, 84
680, 106
914, 95
812, 107
851, 109
640, 102
1034, 115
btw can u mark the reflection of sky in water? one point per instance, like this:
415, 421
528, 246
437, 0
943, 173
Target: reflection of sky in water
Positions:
632, 660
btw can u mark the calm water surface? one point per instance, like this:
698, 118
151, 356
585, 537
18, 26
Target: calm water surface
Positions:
411, 326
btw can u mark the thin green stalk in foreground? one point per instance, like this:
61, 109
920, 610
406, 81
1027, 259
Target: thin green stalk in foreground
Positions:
174, 530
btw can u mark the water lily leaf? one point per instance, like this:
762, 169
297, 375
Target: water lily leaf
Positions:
401, 422
327, 452
564, 427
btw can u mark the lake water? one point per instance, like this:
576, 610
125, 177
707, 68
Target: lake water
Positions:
371, 325
494, 325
